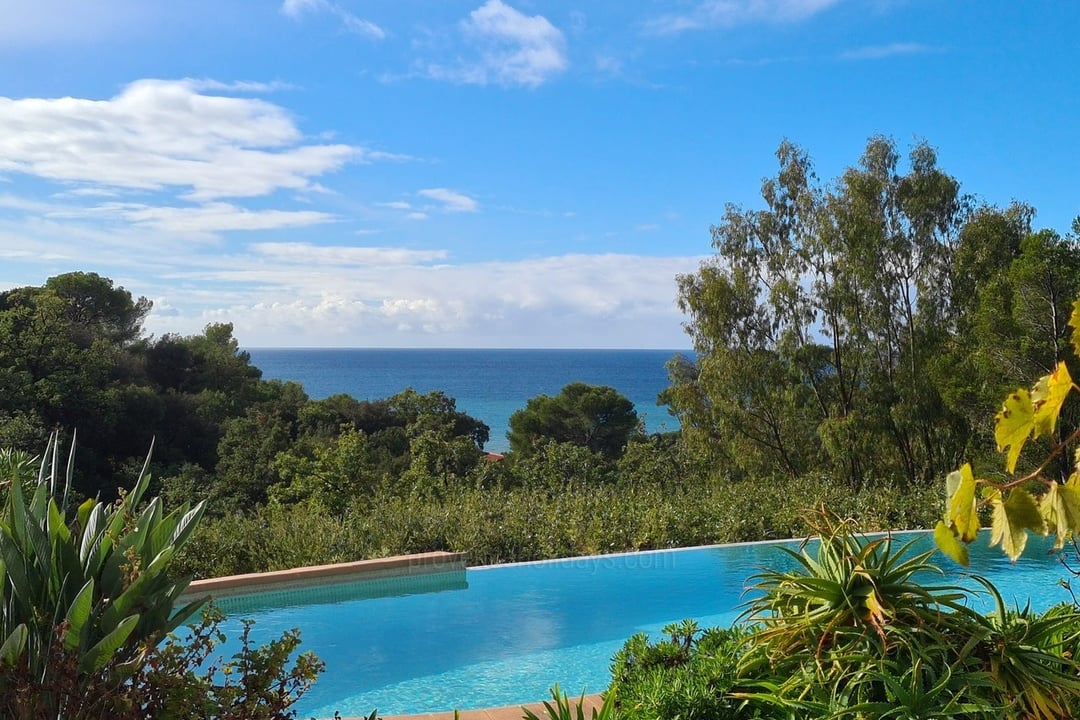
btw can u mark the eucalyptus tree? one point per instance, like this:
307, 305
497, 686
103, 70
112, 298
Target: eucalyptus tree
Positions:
815, 322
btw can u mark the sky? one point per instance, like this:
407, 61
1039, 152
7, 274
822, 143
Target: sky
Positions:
484, 173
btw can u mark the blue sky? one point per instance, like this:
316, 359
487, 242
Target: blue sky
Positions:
483, 173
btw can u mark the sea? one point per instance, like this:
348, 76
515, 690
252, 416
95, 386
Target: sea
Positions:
489, 385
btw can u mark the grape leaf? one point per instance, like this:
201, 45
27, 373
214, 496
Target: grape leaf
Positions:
1047, 397
961, 511
1013, 424
1074, 323
1060, 508
950, 544
1011, 521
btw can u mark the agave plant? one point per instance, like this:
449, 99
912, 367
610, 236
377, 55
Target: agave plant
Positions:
91, 592
856, 604
1028, 657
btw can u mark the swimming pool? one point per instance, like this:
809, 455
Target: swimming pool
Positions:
503, 635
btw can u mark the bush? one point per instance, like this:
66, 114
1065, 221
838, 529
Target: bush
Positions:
86, 602
498, 524
689, 675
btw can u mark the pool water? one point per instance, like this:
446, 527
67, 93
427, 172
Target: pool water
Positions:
504, 635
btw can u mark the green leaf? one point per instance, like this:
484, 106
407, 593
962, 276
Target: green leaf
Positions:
1047, 397
96, 657
78, 614
948, 542
962, 513
1011, 521
1013, 424
14, 645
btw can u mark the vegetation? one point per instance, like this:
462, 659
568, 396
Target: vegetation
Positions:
851, 341
1025, 415
594, 417
867, 328
854, 631
87, 602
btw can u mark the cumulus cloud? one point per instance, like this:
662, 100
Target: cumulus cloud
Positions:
296, 9
879, 52
731, 13
451, 201
395, 298
159, 134
509, 47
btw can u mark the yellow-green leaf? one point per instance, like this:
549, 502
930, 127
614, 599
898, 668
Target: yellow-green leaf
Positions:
1074, 323
1060, 507
961, 510
1012, 519
950, 544
1047, 397
1013, 424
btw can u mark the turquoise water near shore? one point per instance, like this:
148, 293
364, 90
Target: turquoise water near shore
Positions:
487, 384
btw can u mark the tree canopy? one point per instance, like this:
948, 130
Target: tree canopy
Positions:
593, 416
830, 324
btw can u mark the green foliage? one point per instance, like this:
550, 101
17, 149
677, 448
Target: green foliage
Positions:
512, 522
858, 327
854, 631
690, 675
592, 416
87, 608
104, 577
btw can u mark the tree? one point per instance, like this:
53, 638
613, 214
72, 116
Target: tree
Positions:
592, 416
816, 321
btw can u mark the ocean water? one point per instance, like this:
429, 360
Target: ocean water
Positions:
487, 384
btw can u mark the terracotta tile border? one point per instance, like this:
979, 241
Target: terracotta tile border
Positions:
398, 566
511, 712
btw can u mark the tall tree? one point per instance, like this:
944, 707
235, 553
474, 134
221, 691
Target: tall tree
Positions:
814, 323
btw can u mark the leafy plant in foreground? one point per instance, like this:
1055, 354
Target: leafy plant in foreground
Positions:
1027, 414
86, 603
848, 614
100, 582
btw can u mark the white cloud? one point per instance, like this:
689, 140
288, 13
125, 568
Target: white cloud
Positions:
296, 9
342, 255
879, 52
417, 216
513, 49
452, 201
159, 134
315, 294
213, 217
731, 13
337, 297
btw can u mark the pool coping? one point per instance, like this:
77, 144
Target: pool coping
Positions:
396, 566
508, 712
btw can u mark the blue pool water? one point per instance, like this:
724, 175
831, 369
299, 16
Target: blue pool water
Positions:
504, 635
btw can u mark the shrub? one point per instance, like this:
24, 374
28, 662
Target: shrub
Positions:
689, 675
85, 603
